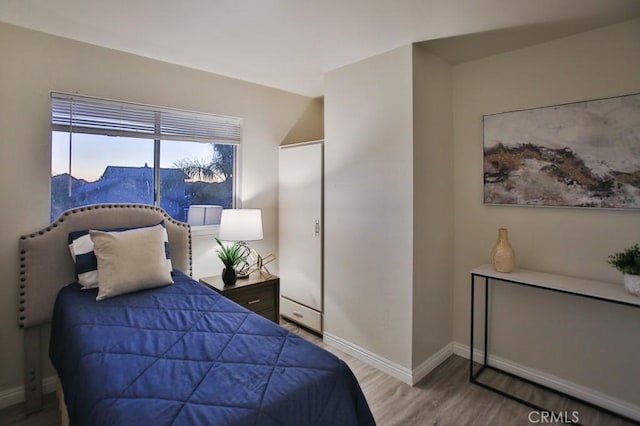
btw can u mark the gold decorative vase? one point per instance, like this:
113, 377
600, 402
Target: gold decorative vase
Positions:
503, 258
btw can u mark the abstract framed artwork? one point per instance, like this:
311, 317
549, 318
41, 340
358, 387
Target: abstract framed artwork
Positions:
581, 154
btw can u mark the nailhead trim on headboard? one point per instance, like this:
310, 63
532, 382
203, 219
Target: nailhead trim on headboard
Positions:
66, 216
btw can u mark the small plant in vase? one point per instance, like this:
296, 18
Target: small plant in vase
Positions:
628, 262
231, 256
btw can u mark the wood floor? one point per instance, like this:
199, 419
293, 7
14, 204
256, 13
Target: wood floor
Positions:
444, 397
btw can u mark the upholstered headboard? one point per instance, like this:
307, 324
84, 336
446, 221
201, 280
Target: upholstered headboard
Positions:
46, 264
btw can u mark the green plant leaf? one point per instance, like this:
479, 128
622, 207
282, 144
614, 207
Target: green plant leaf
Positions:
627, 261
230, 255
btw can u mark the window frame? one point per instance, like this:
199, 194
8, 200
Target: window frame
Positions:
234, 138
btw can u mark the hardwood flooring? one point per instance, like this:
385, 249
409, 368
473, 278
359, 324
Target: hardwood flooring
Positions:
446, 397
443, 398
49, 416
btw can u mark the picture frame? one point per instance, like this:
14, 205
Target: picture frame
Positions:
579, 154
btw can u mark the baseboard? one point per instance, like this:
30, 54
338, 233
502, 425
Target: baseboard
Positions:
428, 365
13, 396
401, 373
382, 364
600, 399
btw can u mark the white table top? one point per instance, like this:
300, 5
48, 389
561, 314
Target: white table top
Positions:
580, 286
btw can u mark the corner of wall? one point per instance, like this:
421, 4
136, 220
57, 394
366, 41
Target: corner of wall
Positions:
433, 205
310, 124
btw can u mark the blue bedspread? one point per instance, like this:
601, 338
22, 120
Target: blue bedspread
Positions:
184, 355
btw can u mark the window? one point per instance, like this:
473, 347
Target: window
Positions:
117, 152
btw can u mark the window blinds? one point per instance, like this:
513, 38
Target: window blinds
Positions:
79, 114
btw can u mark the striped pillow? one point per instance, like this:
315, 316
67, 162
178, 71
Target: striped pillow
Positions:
81, 248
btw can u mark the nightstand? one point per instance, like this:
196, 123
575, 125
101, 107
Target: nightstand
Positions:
259, 293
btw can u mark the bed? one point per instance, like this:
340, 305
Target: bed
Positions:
176, 354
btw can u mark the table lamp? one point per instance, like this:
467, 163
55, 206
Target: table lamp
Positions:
240, 226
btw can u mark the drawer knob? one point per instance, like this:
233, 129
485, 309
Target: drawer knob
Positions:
253, 302
296, 314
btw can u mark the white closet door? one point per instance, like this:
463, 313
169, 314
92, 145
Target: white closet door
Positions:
300, 224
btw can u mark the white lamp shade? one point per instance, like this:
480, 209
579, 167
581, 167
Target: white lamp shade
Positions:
199, 215
241, 225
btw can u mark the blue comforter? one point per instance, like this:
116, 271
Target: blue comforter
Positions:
184, 355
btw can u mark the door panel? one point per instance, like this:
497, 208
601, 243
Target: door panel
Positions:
300, 224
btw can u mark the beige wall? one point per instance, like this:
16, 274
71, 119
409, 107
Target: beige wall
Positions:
433, 205
368, 108
310, 125
368, 204
590, 343
389, 205
33, 64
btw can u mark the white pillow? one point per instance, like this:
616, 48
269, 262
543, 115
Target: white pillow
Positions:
86, 264
129, 261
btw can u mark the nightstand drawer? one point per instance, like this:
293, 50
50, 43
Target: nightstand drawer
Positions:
258, 293
257, 300
270, 315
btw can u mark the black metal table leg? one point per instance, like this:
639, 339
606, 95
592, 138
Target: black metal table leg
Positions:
474, 376
472, 327
486, 320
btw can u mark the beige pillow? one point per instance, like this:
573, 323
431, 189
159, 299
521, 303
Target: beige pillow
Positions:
130, 260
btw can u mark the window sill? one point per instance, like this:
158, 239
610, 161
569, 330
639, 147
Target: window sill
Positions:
205, 231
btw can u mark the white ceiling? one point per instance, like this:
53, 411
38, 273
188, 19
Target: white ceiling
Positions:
290, 44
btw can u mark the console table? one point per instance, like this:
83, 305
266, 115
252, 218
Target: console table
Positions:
558, 283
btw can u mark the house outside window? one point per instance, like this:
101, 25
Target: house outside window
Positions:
116, 152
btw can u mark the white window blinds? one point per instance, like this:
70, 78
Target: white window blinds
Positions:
79, 114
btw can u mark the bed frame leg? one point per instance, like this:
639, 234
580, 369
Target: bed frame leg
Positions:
32, 370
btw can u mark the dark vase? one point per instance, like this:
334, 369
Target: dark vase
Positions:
229, 276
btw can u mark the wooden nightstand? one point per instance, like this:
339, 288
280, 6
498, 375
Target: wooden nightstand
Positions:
259, 293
